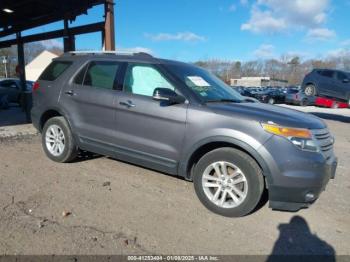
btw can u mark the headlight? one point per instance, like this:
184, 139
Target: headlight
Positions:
300, 137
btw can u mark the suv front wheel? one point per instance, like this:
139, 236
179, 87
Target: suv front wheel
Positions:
58, 141
228, 182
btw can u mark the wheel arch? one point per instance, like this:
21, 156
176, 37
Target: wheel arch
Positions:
308, 83
50, 113
187, 165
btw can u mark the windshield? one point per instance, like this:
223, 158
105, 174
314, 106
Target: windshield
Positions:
205, 85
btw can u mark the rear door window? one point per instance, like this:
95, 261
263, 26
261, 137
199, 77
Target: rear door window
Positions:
55, 70
341, 76
328, 73
102, 74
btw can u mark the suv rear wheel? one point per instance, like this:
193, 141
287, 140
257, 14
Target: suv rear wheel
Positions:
57, 140
228, 182
310, 90
304, 102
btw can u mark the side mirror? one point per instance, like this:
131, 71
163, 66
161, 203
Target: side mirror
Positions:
346, 80
167, 95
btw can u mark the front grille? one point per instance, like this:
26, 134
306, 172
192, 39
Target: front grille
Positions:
324, 139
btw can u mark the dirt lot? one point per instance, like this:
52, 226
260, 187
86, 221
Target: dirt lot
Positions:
117, 208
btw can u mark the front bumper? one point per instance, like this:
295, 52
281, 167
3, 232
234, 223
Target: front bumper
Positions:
297, 178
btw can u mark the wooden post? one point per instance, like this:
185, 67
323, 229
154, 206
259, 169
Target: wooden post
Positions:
22, 75
109, 33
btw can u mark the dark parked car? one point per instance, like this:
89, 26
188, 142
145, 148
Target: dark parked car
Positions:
298, 97
10, 89
329, 83
270, 96
180, 119
245, 92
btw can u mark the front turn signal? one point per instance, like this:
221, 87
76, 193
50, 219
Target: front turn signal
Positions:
287, 131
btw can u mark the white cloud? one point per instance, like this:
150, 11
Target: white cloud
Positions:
263, 21
244, 2
320, 34
232, 8
269, 16
265, 51
181, 36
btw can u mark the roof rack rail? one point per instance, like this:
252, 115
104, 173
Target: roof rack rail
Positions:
143, 54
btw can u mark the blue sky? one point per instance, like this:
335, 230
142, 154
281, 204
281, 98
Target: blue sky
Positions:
191, 30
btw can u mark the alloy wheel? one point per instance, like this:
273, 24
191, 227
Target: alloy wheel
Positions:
225, 184
55, 140
310, 90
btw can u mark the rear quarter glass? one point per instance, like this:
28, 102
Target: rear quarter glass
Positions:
54, 70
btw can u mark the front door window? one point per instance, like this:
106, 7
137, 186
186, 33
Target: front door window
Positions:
144, 79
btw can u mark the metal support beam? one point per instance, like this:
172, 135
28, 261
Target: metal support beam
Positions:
22, 75
109, 32
96, 27
68, 38
75, 8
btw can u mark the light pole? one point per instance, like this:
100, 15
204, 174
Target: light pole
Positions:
4, 61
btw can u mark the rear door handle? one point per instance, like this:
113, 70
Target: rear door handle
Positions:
127, 104
70, 93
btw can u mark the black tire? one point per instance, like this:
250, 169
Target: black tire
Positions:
304, 102
310, 90
70, 149
247, 165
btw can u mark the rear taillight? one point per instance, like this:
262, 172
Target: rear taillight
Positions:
36, 86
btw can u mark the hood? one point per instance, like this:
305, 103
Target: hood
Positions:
265, 113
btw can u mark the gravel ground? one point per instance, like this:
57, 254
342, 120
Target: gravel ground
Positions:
98, 205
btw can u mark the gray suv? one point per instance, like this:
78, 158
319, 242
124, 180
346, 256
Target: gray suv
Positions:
181, 120
329, 83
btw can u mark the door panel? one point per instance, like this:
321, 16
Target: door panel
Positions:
150, 129
327, 83
90, 105
91, 111
343, 88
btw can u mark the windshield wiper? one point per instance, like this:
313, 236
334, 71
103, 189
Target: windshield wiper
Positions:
223, 101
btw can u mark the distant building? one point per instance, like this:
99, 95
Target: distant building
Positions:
37, 66
259, 81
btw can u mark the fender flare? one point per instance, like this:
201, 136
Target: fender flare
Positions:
183, 169
62, 112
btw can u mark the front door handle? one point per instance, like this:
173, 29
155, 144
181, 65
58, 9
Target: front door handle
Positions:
127, 104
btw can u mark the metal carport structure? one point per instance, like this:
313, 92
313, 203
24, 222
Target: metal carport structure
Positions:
20, 15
